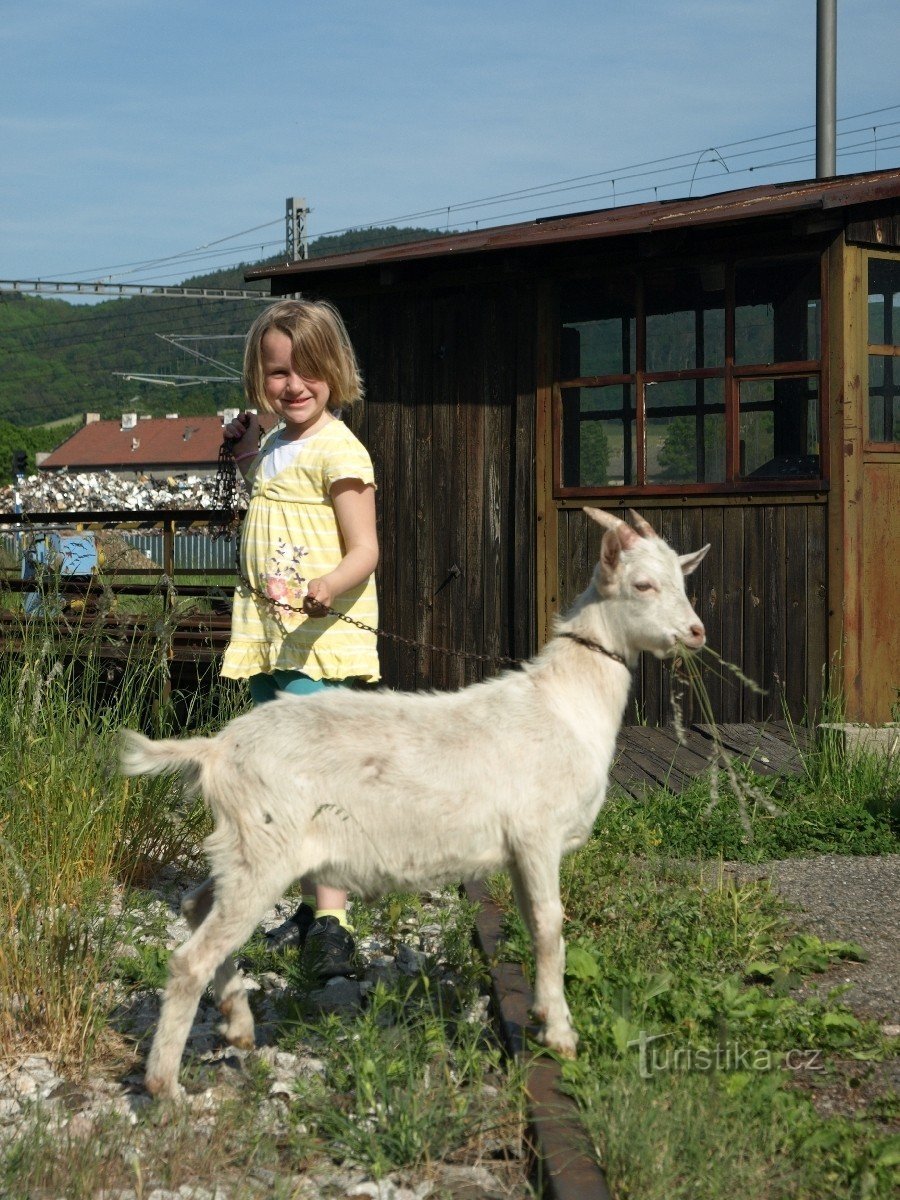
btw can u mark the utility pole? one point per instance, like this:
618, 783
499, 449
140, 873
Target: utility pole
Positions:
296, 242
826, 90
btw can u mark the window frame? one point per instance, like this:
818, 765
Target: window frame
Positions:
730, 373
877, 350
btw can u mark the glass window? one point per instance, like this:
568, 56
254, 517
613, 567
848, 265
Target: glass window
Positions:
884, 398
777, 314
598, 435
685, 431
779, 428
884, 331
685, 321
598, 330
738, 407
884, 302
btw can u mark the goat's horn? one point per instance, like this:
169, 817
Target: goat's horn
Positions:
644, 528
607, 520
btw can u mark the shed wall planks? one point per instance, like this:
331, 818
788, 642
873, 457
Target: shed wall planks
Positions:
760, 591
449, 420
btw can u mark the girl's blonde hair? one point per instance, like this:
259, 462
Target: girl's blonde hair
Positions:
321, 350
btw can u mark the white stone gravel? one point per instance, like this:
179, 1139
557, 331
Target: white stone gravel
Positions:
35, 1089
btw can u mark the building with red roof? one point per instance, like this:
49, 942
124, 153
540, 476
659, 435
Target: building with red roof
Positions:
134, 445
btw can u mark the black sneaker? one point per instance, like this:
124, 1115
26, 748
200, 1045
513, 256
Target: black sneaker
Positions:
292, 933
329, 950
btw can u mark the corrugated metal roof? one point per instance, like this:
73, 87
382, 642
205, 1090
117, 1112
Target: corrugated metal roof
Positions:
160, 442
722, 208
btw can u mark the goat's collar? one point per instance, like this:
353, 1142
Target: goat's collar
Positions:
590, 644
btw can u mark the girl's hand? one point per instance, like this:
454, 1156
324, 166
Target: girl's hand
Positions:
319, 597
243, 431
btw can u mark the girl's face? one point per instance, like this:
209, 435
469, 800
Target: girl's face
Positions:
300, 402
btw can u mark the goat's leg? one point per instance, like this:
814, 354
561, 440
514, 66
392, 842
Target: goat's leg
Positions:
234, 913
228, 988
522, 899
535, 878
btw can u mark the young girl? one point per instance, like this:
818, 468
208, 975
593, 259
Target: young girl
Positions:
308, 544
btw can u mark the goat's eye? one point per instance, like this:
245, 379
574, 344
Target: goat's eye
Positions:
644, 585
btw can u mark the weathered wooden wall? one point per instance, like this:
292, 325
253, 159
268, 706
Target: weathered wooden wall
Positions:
449, 421
761, 592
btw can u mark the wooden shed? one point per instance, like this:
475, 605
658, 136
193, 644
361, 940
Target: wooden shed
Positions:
729, 365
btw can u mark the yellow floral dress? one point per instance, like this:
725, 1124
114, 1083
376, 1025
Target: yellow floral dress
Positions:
290, 535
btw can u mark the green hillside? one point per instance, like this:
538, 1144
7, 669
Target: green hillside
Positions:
59, 360
31, 440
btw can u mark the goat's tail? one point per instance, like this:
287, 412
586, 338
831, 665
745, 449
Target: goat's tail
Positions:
141, 755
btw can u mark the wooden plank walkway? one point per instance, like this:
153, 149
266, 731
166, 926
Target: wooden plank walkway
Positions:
647, 758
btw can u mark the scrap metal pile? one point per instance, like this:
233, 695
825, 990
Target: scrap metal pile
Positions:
104, 491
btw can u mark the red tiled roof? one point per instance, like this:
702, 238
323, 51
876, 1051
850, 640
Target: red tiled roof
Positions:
169, 442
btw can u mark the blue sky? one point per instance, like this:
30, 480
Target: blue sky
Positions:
135, 130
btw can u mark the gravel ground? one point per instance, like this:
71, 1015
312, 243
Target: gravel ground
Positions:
78, 1109
842, 898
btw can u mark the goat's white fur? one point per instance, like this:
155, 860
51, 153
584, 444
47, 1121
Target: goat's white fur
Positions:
398, 791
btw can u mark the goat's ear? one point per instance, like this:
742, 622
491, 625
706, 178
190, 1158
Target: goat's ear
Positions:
690, 562
611, 547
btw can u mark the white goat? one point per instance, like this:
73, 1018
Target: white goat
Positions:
394, 791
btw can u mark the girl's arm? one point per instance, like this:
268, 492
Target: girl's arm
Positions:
354, 507
244, 432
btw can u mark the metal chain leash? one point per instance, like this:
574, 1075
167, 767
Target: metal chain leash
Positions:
226, 493
226, 496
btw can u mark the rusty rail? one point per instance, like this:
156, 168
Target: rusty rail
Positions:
563, 1163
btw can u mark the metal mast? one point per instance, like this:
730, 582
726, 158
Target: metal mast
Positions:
826, 75
296, 242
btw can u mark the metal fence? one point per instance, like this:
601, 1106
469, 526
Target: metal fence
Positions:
193, 551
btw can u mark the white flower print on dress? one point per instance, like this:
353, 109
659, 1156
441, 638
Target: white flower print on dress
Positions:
283, 582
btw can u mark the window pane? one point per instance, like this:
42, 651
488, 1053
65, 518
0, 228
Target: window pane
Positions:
685, 320
884, 399
597, 436
884, 302
779, 428
686, 431
777, 316
598, 329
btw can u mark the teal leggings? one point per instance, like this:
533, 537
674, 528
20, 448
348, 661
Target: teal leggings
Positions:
267, 687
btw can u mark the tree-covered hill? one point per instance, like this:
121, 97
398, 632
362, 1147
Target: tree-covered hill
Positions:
60, 360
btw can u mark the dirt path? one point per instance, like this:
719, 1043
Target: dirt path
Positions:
842, 898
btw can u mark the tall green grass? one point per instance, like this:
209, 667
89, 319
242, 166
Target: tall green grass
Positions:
838, 783
862, 777
71, 828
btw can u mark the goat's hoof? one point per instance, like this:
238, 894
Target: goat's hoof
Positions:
240, 1041
563, 1044
164, 1089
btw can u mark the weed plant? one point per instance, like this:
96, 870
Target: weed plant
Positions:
863, 778
808, 821
72, 828
844, 803
406, 1083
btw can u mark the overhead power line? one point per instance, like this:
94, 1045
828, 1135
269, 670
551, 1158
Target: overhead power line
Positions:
462, 213
724, 155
